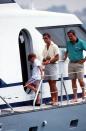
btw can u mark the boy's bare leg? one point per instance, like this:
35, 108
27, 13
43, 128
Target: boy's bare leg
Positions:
38, 97
30, 86
34, 88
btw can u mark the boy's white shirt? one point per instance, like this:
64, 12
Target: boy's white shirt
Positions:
36, 73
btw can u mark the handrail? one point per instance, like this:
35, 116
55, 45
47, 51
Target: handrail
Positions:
62, 85
64, 74
7, 104
39, 87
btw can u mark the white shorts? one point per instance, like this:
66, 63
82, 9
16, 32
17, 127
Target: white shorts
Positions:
51, 72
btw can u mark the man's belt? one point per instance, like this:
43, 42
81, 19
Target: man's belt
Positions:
75, 61
79, 61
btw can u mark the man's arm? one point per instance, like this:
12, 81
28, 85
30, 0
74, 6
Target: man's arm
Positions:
82, 61
54, 59
51, 60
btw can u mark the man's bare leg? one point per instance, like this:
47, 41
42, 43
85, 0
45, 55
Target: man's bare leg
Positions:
82, 84
54, 93
74, 87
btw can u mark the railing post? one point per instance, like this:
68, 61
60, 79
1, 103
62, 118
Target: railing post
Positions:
66, 92
63, 85
37, 93
41, 92
61, 88
7, 104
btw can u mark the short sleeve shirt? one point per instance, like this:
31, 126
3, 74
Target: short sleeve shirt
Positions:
75, 51
52, 51
36, 74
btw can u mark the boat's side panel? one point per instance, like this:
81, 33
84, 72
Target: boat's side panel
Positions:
56, 119
10, 64
10, 69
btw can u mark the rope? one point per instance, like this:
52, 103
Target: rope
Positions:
64, 74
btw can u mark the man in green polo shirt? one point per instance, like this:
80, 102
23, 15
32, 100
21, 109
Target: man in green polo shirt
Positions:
75, 47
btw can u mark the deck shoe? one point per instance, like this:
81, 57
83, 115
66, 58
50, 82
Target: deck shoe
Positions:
37, 104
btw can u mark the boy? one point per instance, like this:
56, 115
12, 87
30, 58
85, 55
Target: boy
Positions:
34, 81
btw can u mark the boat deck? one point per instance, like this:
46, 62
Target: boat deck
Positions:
42, 107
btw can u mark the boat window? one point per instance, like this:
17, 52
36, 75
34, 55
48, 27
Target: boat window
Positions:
74, 123
59, 34
80, 31
6, 1
33, 128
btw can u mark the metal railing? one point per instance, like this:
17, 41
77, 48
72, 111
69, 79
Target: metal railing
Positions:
39, 88
7, 104
62, 87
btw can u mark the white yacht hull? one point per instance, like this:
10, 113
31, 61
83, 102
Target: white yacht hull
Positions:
62, 118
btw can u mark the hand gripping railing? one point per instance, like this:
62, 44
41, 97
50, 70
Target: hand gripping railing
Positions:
7, 104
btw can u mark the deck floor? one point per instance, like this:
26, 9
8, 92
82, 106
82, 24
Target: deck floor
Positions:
43, 106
